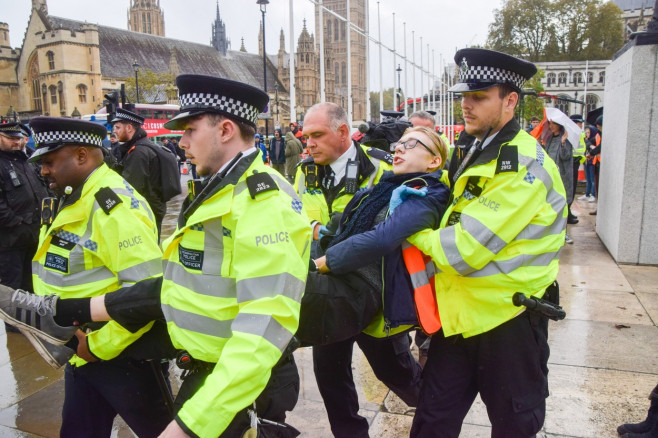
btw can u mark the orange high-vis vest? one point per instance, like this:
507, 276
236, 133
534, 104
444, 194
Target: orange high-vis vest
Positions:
421, 271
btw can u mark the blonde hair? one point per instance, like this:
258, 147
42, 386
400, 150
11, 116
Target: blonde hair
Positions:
438, 142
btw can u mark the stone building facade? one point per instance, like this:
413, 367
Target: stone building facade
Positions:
572, 79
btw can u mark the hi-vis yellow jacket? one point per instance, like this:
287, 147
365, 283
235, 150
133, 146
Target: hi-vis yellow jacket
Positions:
372, 164
501, 234
103, 238
234, 275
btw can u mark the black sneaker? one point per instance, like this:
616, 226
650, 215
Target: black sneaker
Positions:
572, 220
55, 355
34, 314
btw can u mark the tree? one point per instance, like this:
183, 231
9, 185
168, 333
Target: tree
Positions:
557, 30
374, 101
152, 86
533, 106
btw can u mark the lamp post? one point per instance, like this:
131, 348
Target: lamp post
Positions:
399, 70
263, 6
136, 68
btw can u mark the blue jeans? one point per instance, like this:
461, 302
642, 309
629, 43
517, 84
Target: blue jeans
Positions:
589, 175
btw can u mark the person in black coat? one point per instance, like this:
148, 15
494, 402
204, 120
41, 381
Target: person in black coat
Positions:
21, 191
138, 163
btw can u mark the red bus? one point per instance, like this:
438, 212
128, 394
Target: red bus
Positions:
155, 116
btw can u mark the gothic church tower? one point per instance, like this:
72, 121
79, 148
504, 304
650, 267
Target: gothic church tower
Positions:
146, 16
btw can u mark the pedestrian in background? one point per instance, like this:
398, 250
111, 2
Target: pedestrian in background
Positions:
261, 147
294, 151
278, 152
559, 148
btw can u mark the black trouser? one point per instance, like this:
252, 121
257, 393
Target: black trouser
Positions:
576, 167
506, 365
16, 266
280, 395
392, 363
96, 392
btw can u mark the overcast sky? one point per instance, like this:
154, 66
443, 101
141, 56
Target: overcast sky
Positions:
445, 25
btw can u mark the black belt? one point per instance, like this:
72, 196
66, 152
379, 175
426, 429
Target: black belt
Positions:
190, 365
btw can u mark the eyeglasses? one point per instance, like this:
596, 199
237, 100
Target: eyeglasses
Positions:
410, 144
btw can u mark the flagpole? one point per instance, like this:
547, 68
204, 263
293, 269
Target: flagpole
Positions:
291, 68
349, 67
323, 96
394, 71
406, 68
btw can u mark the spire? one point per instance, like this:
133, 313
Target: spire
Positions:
282, 42
242, 48
40, 5
219, 40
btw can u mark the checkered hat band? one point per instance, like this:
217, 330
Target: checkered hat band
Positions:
68, 137
128, 117
484, 73
229, 105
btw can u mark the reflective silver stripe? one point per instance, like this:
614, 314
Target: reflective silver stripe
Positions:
197, 323
286, 187
376, 163
141, 271
535, 232
211, 285
264, 326
482, 234
58, 279
430, 268
213, 247
448, 237
239, 188
270, 286
127, 193
419, 279
508, 266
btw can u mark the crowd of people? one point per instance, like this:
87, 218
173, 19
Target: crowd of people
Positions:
363, 247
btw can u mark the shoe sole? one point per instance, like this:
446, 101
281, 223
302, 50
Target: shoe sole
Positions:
24, 327
41, 349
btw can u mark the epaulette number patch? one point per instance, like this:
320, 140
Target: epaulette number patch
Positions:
260, 182
508, 159
107, 199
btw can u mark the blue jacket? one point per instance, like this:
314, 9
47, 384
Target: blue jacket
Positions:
385, 240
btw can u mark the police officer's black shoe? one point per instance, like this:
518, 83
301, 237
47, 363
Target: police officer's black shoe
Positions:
34, 314
647, 428
572, 220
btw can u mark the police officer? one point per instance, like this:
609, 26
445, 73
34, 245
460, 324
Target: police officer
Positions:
501, 234
21, 192
103, 237
235, 268
327, 181
139, 163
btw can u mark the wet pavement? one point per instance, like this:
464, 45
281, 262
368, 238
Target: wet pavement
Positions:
603, 361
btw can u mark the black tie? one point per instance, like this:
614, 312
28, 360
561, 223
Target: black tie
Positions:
328, 182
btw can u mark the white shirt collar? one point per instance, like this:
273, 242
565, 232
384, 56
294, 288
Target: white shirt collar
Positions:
340, 164
245, 153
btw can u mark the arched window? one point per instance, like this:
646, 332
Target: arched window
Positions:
550, 79
578, 78
336, 30
561, 78
51, 60
307, 58
590, 77
53, 94
591, 101
60, 93
342, 33
336, 73
343, 73
329, 30
143, 22
562, 105
602, 78
33, 79
82, 93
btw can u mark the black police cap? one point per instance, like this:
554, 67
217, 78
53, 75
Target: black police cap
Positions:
11, 129
392, 114
51, 133
577, 118
123, 115
208, 94
480, 69
25, 130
